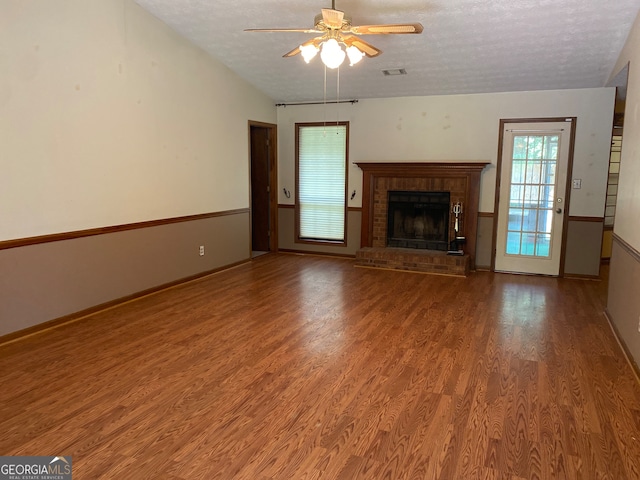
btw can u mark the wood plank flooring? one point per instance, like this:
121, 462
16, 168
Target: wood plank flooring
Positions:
305, 367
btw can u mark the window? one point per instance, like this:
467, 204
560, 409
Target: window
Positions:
612, 183
321, 182
531, 203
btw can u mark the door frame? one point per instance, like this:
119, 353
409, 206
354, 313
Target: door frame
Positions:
565, 213
272, 130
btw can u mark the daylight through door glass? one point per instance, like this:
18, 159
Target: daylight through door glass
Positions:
533, 180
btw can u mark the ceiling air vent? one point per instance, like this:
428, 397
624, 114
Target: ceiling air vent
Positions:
394, 71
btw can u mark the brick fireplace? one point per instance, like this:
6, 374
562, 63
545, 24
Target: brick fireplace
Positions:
460, 180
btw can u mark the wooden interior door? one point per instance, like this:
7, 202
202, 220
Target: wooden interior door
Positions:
259, 189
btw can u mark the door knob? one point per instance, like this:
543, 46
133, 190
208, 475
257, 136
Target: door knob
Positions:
558, 210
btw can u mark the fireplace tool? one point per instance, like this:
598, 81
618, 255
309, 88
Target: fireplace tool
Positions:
455, 248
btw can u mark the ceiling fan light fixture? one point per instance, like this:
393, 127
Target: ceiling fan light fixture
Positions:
331, 54
337, 35
354, 55
308, 52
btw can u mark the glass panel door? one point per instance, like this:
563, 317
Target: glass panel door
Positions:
533, 181
531, 199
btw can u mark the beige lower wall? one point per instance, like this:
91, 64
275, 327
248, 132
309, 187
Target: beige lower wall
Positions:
584, 246
623, 303
50, 280
286, 234
483, 242
582, 254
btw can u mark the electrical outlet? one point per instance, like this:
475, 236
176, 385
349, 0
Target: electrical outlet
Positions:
577, 183
201, 250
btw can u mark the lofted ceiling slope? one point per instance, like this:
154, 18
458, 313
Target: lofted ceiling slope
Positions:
468, 46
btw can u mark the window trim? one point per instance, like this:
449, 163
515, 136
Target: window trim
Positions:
298, 238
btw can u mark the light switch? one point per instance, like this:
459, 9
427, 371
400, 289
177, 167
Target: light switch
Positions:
577, 183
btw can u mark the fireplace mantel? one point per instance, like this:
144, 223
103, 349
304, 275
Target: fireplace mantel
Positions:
462, 179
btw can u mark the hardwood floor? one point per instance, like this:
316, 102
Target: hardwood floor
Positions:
304, 367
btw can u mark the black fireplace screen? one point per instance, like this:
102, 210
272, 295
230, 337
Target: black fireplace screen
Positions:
418, 220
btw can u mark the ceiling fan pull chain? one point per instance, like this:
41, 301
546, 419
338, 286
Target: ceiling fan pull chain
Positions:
338, 98
324, 108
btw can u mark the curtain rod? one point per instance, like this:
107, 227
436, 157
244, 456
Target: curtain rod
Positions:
352, 102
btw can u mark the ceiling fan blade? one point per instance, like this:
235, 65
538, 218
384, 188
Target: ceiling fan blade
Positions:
314, 41
332, 18
300, 30
292, 53
398, 28
366, 48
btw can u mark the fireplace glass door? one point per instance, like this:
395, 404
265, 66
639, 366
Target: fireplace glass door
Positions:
418, 220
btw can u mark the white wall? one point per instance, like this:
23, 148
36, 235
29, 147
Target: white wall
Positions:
627, 222
108, 117
460, 128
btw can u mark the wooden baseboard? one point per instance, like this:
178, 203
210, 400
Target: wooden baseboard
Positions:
322, 254
578, 276
623, 346
77, 316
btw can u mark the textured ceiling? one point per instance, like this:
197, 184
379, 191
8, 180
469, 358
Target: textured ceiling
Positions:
468, 46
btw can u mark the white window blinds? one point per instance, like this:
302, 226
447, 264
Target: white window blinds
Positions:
322, 167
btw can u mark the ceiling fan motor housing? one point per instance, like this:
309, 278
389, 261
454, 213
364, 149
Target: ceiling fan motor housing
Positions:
332, 20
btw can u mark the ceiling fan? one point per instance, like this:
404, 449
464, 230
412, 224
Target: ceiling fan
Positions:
337, 31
